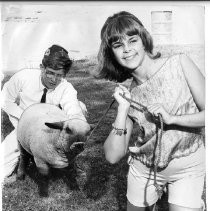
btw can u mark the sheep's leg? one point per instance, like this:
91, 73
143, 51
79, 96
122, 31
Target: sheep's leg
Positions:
76, 173
43, 180
23, 161
70, 178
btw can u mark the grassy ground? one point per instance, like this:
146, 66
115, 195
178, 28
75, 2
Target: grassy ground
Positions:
104, 186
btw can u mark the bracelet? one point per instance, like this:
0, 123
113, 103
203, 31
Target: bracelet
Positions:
119, 131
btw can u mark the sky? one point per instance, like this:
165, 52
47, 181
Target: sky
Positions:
29, 28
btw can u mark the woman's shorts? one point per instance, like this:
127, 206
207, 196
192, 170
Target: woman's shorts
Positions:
184, 176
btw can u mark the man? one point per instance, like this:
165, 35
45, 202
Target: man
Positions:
47, 84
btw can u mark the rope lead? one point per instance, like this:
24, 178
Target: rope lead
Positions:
159, 189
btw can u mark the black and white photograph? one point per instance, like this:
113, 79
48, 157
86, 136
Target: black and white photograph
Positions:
103, 106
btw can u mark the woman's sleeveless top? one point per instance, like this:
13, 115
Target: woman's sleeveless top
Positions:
169, 88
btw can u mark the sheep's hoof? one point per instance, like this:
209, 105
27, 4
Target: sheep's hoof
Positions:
43, 184
43, 193
43, 190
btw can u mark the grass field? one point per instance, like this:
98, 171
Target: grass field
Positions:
104, 186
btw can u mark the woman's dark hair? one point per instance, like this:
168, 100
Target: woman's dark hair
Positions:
56, 57
115, 28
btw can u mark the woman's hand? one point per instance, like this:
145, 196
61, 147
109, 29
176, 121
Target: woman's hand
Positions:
123, 103
156, 109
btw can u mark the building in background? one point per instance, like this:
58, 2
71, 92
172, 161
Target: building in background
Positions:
161, 27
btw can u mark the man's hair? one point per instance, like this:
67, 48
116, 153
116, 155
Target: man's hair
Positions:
56, 57
114, 29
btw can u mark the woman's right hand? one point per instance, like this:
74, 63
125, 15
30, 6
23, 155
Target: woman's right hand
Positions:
123, 103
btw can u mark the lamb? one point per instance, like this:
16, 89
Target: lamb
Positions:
46, 133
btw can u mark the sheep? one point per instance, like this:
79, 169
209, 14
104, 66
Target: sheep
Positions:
45, 132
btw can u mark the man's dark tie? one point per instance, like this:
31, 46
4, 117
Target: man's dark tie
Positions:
43, 99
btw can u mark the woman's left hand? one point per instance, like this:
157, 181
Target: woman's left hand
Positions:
156, 109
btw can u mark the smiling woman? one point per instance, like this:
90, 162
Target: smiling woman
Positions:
123, 47
172, 89
124, 54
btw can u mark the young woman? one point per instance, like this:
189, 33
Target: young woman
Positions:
170, 89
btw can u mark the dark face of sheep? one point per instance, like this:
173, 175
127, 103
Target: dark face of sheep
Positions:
72, 132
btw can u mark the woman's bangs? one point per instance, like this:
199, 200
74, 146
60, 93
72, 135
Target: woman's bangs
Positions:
120, 29
114, 35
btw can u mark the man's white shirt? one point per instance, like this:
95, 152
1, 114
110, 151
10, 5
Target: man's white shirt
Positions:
27, 86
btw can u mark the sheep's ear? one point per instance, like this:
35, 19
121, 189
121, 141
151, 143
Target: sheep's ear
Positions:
55, 125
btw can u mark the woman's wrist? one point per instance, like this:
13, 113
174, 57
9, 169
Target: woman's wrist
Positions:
119, 131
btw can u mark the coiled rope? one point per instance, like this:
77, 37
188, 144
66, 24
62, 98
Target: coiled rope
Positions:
142, 108
158, 149
159, 189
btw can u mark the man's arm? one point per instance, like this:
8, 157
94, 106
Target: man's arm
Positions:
70, 104
10, 93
